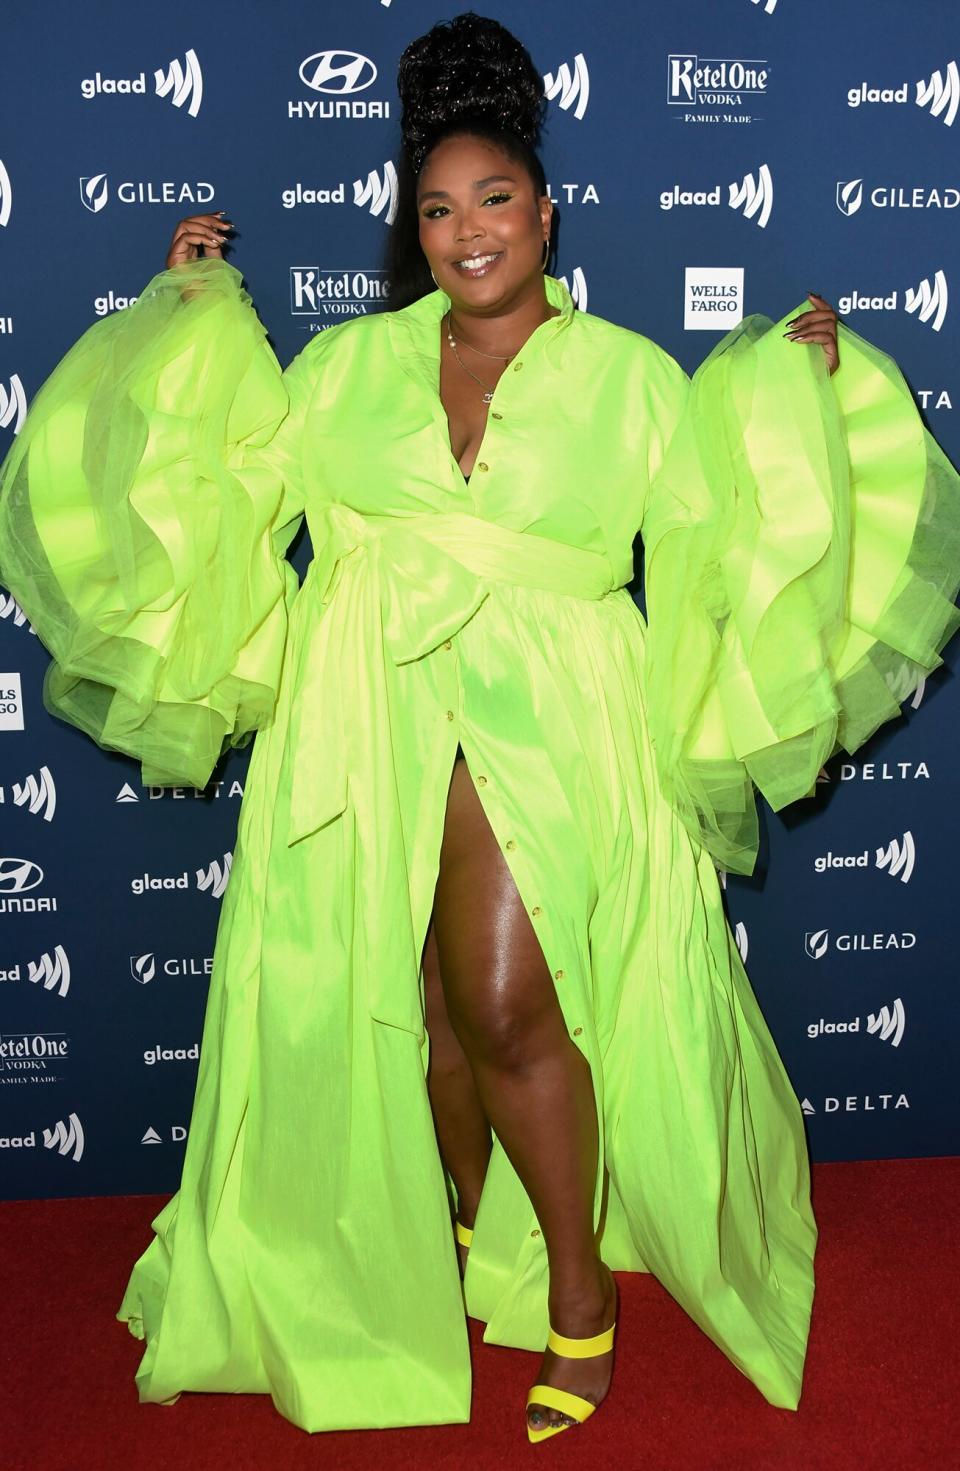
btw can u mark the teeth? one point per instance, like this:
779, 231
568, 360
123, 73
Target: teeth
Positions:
474, 263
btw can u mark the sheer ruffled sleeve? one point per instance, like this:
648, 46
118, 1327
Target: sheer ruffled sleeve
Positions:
145, 512
802, 546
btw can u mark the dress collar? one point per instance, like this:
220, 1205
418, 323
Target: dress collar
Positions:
416, 340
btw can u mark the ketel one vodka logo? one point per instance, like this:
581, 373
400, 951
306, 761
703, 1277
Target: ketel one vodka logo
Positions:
321, 291
939, 94
695, 82
182, 82
897, 859
887, 1025
38, 794
569, 86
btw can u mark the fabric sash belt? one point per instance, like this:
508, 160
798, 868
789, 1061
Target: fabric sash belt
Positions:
413, 582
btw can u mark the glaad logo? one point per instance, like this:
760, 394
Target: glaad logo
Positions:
338, 76
185, 82
889, 196
323, 291
10, 608
214, 877
577, 287
37, 794
897, 858
569, 86
95, 193
378, 194
817, 942
6, 195
103, 305
888, 1024
66, 1138
929, 303
742, 940
153, 1055
753, 196
769, 6
13, 405
940, 94
52, 974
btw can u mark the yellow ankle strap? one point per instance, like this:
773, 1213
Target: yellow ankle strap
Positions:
581, 1348
464, 1234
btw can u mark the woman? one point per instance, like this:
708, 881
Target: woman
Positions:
507, 977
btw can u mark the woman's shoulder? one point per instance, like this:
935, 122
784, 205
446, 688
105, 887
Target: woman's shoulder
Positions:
636, 351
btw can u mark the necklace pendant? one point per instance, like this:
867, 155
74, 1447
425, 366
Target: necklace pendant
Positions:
488, 396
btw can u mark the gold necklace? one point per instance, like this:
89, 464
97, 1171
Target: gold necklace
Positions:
487, 392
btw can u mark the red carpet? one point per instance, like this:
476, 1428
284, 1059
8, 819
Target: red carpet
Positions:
881, 1387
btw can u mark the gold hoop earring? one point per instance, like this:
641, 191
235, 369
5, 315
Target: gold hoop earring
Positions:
435, 281
546, 253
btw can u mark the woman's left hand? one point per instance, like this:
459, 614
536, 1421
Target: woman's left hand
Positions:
820, 325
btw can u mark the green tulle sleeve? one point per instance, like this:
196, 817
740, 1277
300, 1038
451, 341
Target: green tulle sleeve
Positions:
802, 544
145, 511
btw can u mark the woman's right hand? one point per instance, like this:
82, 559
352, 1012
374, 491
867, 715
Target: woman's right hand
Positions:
198, 235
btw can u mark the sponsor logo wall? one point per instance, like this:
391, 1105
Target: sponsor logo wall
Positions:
698, 178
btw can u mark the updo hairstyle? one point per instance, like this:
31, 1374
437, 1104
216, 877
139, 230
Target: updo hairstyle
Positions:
468, 75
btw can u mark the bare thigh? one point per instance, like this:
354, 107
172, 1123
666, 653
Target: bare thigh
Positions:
497, 991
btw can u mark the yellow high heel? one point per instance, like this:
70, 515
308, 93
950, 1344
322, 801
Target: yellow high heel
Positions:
464, 1234
574, 1405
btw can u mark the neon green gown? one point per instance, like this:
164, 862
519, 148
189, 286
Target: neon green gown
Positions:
801, 537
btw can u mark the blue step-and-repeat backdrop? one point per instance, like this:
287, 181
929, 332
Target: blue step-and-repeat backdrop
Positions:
707, 157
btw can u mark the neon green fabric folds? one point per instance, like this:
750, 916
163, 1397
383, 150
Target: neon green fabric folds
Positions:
144, 517
803, 557
137, 536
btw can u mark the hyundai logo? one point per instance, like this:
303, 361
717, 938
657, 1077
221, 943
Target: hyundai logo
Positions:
339, 72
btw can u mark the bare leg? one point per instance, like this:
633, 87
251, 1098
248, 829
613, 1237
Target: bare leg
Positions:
463, 1131
533, 1083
